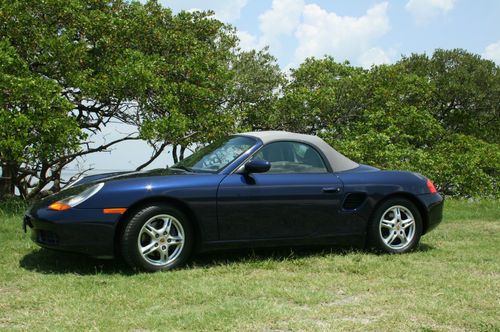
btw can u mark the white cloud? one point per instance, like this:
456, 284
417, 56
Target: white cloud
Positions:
229, 10
344, 37
373, 56
318, 32
248, 41
492, 52
424, 10
226, 11
282, 19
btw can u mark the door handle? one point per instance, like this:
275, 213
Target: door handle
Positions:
331, 189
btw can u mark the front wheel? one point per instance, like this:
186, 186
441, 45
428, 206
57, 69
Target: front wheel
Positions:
396, 226
157, 238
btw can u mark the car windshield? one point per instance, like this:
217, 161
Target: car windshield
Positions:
216, 156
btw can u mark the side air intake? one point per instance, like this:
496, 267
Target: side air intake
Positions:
353, 201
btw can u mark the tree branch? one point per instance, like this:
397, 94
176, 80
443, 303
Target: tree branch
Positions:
155, 155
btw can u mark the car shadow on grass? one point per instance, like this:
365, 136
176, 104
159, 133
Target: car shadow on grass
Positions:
53, 262
280, 254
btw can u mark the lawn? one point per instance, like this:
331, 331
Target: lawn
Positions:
452, 283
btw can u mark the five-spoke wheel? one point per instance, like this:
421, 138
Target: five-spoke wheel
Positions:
161, 239
396, 226
157, 237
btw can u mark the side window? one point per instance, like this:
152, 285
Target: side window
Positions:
291, 157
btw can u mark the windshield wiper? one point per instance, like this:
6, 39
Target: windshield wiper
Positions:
184, 168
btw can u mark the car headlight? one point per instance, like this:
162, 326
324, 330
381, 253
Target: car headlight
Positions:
74, 200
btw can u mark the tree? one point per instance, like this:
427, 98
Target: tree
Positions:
69, 68
118, 61
466, 91
464, 166
187, 104
321, 94
395, 128
240, 95
255, 90
73, 45
35, 125
387, 117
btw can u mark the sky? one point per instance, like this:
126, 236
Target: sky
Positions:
363, 32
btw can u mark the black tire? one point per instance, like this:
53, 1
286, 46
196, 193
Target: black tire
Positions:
130, 240
377, 232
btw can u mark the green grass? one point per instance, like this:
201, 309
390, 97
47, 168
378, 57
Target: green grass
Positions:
452, 283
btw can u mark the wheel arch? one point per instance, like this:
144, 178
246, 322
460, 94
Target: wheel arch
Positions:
412, 198
136, 206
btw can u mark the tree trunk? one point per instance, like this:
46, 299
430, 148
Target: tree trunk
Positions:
174, 154
7, 181
183, 149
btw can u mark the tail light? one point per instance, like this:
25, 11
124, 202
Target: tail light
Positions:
432, 188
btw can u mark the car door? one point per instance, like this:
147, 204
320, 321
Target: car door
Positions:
298, 197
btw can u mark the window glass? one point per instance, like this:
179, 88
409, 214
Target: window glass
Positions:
291, 157
217, 155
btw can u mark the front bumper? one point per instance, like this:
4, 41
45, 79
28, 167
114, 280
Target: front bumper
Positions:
434, 204
86, 231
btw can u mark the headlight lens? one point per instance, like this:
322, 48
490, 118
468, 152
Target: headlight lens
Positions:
74, 200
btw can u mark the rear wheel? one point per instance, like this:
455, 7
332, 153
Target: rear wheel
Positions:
157, 238
396, 226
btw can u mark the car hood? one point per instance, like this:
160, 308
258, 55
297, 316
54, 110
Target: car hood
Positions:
87, 181
105, 177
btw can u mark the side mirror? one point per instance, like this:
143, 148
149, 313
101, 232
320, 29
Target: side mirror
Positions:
257, 166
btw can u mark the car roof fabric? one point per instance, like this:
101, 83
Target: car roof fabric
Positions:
337, 161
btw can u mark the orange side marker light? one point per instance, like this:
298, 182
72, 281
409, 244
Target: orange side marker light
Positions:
114, 210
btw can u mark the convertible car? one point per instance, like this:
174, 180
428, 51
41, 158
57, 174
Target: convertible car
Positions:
253, 189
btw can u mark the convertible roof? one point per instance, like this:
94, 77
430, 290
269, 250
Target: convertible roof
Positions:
337, 161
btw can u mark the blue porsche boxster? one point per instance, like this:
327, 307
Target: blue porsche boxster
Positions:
247, 190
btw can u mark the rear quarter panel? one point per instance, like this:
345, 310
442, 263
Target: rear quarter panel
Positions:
378, 185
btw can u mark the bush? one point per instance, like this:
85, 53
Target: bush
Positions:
398, 125
464, 166
11, 205
459, 165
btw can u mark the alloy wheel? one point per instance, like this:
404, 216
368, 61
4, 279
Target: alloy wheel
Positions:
397, 227
161, 240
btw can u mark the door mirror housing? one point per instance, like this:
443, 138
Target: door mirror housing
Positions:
257, 166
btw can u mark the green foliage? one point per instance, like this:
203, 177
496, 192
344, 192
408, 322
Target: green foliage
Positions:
321, 94
93, 62
12, 206
389, 117
465, 166
33, 114
465, 91
395, 128
193, 76
255, 89
69, 67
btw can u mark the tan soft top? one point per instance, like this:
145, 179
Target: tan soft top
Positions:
338, 162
